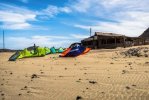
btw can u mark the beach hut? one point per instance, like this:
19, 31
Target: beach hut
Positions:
105, 40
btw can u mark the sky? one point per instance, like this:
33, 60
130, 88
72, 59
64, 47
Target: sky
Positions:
61, 22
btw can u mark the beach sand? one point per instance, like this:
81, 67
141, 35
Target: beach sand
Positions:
98, 75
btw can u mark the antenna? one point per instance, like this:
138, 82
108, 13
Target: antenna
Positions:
90, 31
3, 40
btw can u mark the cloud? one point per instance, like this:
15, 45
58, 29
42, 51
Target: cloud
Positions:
128, 17
40, 40
20, 18
52, 11
132, 26
65, 9
79, 36
13, 17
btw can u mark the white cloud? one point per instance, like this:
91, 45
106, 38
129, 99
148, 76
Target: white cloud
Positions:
79, 36
50, 37
18, 18
65, 9
52, 11
132, 26
13, 17
48, 41
129, 17
42, 40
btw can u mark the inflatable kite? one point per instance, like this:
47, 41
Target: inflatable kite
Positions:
74, 50
34, 52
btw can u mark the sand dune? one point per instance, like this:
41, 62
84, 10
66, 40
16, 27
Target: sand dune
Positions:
98, 75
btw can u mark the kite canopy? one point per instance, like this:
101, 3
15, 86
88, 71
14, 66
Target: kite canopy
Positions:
74, 50
34, 51
53, 50
60, 50
48, 51
37, 52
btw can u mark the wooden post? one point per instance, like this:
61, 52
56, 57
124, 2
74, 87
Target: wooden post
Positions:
3, 40
115, 40
106, 41
124, 42
90, 31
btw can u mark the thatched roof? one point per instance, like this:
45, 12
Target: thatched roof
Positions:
107, 34
145, 34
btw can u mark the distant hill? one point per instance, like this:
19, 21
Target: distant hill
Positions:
145, 33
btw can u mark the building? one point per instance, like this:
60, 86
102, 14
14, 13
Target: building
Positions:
111, 40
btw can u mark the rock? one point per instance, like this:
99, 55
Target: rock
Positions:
28, 91
2, 94
137, 52
145, 55
25, 87
78, 97
65, 68
123, 71
111, 63
134, 85
102, 92
92, 82
127, 87
41, 72
34, 76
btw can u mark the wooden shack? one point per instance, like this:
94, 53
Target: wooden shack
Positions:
111, 40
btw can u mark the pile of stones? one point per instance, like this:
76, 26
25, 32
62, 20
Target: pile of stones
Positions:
137, 52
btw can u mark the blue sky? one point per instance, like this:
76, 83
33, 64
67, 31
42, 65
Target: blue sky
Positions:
62, 22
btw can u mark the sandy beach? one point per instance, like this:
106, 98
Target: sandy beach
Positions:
102, 74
